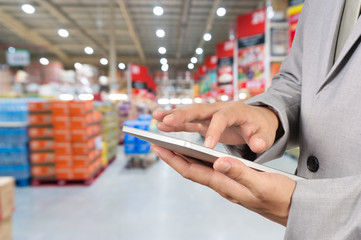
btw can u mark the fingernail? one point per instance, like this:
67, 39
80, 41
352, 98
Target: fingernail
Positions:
223, 167
208, 142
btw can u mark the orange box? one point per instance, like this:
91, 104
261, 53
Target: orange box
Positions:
39, 106
80, 107
64, 173
86, 159
59, 108
39, 158
42, 171
41, 145
84, 134
97, 117
62, 148
81, 121
83, 148
40, 119
63, 161
60, 121
62, 135
40, 132
84, 172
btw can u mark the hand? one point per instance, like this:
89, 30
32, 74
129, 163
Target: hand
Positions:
231, 123
268, 194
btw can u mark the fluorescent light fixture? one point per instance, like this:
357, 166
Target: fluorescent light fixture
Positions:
85, 96
118, 97
162, 50
163, 101
27, 8
207, 37
163, 61
103, 61
224, 98
194, 60
44, 61
66, 97
186, 101
198, 100
165, 67
158, 11
190, 66
175, 101
221, 12
89, 50
77, 65
199, 51
242, 96
63, 33
160, 33
121, 66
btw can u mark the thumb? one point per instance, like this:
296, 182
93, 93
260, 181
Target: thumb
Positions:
237, 171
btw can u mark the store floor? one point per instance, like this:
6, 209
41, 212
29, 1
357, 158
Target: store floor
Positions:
137, 204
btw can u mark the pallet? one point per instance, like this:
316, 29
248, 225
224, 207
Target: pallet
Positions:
23, 182
73, 182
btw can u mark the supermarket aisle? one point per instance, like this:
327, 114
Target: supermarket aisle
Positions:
155, 203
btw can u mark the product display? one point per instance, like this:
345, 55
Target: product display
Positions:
65, 141
14, 140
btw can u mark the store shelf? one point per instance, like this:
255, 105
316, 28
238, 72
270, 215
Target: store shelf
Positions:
277, 58
13, 124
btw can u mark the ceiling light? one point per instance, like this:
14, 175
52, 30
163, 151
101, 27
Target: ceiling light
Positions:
11, 50
175, 101
77, 65
224, 98
121, 66
242, 96
160, 33
162, 50
199, 51
103, 61
27, 8
187, 101
63, 33
89, 50
86, 97
198, 100
66, 97
118, 97
163, 61
190, 66
221, 12
158, 11
44, 61
207, 37
194, 60
163, 101
165, 67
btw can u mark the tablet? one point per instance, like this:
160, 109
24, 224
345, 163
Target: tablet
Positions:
195, 150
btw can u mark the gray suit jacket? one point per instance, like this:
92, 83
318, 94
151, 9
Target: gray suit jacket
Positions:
319, 106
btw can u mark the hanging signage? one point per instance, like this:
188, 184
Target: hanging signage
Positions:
251, 50
293, 16
225, 52
17, 57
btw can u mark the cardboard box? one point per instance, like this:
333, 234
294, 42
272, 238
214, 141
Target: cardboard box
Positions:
60, 122
40, 119
79, 122
42, 158
39, 106
84, 134
6, 229
62, 148
41, 145
62, 135
40, 132
59, 108
43, 171
80, 107
7, 185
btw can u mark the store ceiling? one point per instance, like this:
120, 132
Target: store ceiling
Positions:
88, 22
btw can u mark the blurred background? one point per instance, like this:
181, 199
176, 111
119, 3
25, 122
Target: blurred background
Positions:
74, 72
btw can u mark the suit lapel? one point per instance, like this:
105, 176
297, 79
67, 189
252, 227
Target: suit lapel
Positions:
352, 39
330, 39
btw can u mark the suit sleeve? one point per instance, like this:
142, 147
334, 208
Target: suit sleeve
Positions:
284, 98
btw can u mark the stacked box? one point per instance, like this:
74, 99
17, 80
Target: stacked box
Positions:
65, 140
126, 111
86, 140
14, 140
110, 130
6, 207
133, 145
